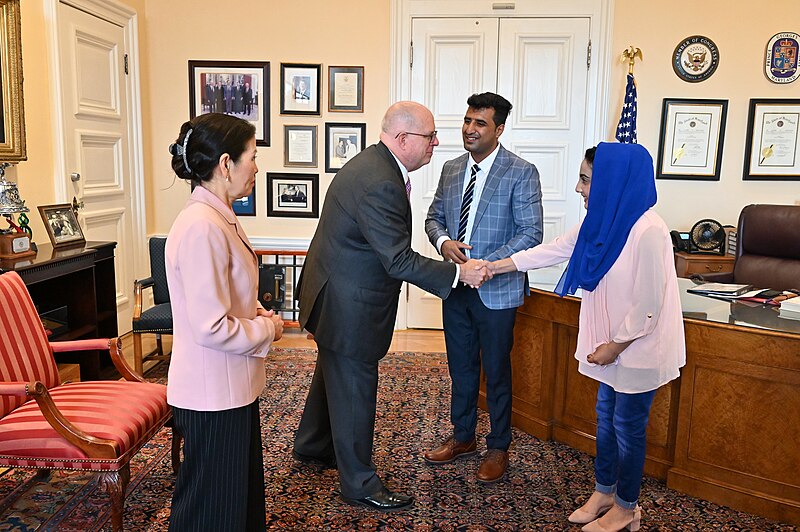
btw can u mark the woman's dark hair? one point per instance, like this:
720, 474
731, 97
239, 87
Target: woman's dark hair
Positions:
589, 155
209, 136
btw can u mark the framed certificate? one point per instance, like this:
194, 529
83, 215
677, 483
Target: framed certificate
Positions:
346, 88
692, 134
772, 150
300, 146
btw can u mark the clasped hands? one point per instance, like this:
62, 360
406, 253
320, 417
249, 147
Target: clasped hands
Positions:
474, 272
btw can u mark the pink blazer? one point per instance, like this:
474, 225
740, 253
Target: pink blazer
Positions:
219, 343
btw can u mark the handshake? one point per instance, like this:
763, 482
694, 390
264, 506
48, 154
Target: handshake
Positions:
475, 272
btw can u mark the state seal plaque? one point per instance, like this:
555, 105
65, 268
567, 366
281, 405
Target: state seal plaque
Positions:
695, 58
781, 63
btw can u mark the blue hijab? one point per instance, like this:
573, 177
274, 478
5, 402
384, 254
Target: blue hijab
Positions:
622, 190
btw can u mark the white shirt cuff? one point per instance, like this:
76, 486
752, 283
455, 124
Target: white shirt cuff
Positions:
440, 242
458, 274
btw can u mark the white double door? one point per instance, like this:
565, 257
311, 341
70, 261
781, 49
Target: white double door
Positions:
540, 66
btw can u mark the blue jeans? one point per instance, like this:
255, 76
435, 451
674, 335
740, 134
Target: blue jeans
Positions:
621, 426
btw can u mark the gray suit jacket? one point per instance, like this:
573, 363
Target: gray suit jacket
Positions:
359, 257
508, 219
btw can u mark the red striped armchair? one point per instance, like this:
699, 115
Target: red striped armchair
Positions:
84, 426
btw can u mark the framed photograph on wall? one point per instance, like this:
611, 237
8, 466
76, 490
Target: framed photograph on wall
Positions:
293, 195
300, 146
246, 206
346, 88
692, 135
12, 110
62, 225
300, 86
342, 143
772, 149
236, 88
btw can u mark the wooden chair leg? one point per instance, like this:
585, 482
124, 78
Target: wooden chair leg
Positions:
177, 439
159, 346
115, 483
138, 363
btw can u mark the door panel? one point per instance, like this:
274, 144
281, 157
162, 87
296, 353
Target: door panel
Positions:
94, 103
539, 64
453, 58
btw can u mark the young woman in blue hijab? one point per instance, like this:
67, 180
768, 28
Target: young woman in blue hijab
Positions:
630, 335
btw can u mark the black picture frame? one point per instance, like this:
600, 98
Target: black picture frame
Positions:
342, 143
691, 139
62, 225
346, 89
240, 78
300, 146
292, 195
770, 153
300, 88
245, 206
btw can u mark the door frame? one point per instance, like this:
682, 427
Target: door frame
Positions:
599, 12
127, 18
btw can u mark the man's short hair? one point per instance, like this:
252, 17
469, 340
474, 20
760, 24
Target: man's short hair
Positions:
488, 100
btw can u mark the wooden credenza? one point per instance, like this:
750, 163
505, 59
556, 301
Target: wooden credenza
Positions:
726, 431
79, 283
687, 264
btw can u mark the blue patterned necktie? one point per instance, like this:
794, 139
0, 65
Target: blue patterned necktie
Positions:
408, 188
466, 203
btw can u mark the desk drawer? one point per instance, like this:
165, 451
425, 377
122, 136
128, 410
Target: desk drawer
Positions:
709, 267
687, 264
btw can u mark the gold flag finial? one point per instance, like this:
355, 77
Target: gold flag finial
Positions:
630, 54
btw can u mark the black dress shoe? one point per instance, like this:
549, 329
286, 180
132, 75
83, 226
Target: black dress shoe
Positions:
384, 501
325, 462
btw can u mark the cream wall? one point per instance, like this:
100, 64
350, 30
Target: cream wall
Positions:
357, 33
740, 29
314, 31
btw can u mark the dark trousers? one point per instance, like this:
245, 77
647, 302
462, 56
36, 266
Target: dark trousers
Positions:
339, 417
220, 484
476, 335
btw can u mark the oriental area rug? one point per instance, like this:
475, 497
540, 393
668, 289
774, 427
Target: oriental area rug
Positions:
546, 480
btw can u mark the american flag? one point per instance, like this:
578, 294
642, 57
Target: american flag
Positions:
626, 129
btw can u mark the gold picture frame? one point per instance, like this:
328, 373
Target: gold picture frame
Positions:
12, 111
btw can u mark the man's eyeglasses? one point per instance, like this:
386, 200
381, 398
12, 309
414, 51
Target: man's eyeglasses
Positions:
430, 136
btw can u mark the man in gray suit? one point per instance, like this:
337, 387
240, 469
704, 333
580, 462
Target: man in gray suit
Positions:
349, 288
488, 205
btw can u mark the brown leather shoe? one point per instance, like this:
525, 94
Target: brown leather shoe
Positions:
450, 450
493, 467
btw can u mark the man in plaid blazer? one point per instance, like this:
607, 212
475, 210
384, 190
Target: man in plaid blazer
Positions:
488, 205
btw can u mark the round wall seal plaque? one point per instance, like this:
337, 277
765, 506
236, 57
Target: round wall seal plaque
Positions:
695, 58
781, 63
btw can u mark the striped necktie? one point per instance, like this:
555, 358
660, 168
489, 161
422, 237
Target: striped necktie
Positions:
466, 203
408, 188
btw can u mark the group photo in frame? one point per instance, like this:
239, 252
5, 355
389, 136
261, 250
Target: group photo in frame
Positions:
300, 146
62, 225
292, 195
300, 88
236, 88
772, 149
691, 140
342, 143
346, 89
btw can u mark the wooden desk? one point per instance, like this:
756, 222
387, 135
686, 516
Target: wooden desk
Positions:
81, 279
726, 431
688, 263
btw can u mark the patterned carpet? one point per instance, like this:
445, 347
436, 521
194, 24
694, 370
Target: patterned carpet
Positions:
546, 480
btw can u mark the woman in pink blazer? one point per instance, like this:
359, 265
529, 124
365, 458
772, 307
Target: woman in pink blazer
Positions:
221, 333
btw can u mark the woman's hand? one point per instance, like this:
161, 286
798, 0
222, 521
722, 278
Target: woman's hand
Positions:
606, 353
276, 320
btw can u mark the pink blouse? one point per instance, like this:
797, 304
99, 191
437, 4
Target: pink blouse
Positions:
638, 299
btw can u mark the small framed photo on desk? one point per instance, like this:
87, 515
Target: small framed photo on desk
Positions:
62, 225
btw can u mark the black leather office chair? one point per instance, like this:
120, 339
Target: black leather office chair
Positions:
157, 319
767, 249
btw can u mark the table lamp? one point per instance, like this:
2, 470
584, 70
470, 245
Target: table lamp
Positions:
15, 242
